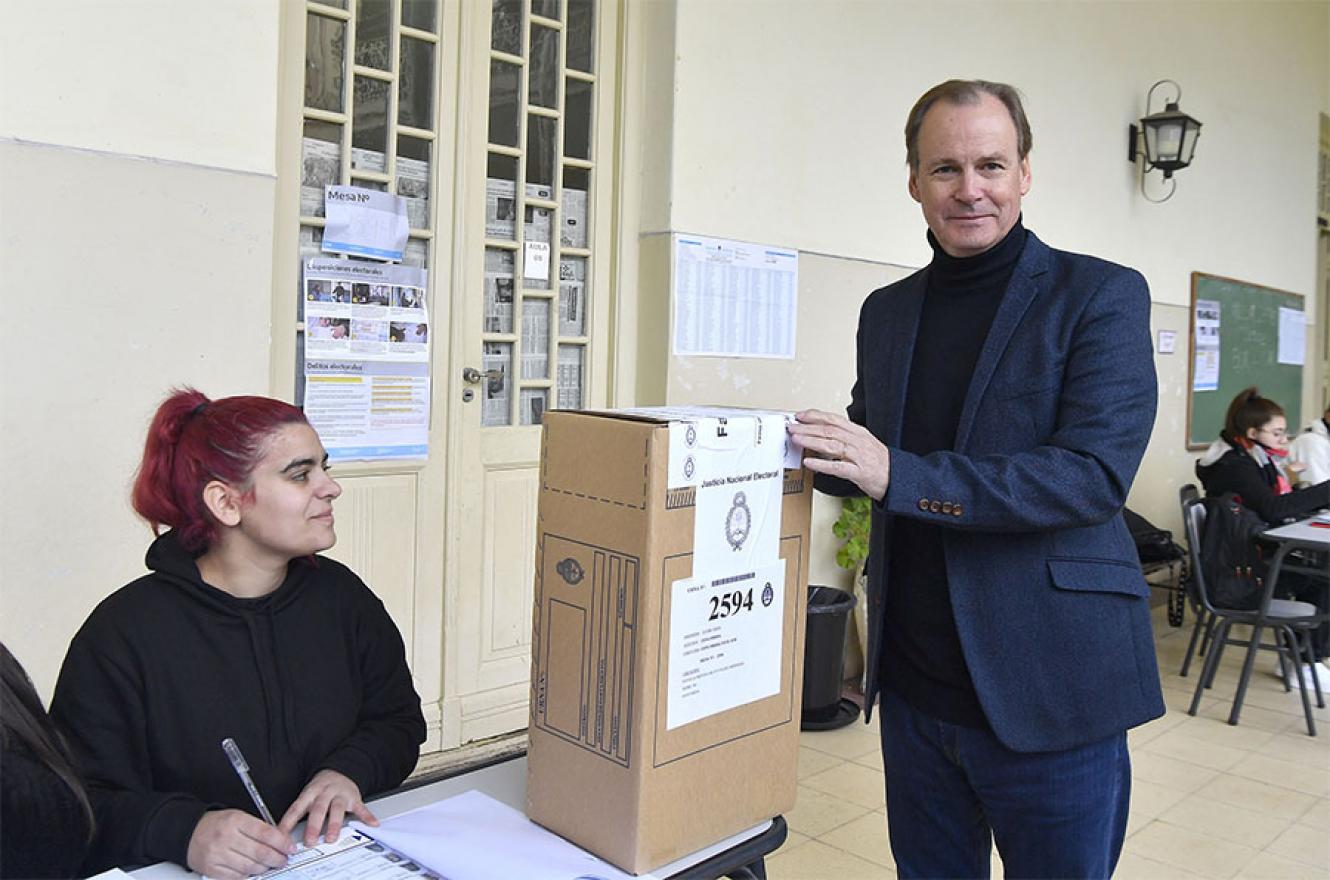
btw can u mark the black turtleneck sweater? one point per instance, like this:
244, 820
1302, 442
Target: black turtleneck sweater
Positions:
921, 653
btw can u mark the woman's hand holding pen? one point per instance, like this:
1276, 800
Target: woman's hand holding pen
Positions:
229, 844
326, 800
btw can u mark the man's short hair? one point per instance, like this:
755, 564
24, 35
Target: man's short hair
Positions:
966, 91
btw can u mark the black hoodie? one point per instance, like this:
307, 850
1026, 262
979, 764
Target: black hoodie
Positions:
311, 676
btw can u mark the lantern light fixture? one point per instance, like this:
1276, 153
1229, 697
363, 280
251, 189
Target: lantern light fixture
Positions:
1165, 141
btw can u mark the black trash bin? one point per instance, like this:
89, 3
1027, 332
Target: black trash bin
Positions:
824, 660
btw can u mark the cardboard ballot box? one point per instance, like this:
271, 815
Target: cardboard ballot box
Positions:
667, 639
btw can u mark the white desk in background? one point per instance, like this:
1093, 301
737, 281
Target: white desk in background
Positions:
505, 780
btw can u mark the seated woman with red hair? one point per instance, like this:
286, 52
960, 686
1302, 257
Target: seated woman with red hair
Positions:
240, 631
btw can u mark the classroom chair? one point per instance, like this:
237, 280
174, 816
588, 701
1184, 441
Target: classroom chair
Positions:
1287, 619
1205, 621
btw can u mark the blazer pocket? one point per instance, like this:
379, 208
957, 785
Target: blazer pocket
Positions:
1049, 380
1098, 576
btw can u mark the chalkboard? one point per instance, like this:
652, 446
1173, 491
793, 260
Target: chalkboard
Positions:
1247, 355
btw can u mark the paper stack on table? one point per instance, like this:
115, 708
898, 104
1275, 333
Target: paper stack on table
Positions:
471, 836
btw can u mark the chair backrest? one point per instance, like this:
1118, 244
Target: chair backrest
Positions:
1193, 523
1187, 493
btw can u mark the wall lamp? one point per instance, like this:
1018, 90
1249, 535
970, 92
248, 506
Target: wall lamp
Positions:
1165, 140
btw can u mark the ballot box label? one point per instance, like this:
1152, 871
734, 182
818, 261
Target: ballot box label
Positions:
724, 642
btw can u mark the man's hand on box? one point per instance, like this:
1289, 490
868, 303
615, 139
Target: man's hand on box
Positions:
836, 446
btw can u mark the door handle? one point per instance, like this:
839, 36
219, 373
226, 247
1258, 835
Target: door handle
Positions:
472, 376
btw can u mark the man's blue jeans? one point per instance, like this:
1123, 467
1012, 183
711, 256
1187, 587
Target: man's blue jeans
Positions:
952, 791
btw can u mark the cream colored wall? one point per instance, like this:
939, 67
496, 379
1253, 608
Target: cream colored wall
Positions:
787, 121
136, 220
190, 82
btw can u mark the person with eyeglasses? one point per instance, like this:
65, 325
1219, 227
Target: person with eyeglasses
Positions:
1250, 460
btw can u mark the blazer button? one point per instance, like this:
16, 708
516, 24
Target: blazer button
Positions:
956, 511
923, 504
935, 506
947, 506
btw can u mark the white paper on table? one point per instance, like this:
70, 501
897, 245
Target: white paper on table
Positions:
365, 222
1292, 336
725, 642
471, 836
112, 874
353, 856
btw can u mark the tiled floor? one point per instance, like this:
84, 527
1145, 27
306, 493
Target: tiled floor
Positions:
1208, 800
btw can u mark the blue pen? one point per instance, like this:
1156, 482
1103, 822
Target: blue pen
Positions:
242, 770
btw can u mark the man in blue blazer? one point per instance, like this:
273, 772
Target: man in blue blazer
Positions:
1004, 397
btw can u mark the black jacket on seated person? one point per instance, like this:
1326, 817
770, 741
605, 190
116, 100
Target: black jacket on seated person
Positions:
45, 829
311, 676
1226, 468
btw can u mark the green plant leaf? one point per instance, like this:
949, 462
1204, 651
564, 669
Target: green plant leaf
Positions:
853, 527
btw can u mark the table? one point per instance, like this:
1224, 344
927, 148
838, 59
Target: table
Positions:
1312, 533
504, 779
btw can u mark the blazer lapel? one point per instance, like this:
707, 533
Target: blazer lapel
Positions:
894, 369
1021, 289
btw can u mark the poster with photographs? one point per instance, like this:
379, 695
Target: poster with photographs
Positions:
366, 311
1205, 372
367, 371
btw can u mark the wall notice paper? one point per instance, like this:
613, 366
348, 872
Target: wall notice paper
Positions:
1292, 336
536, 262
364, 223
734, 299
725, 641
471, 836
367, 379
1205, 373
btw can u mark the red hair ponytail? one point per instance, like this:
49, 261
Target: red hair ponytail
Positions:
193, 440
